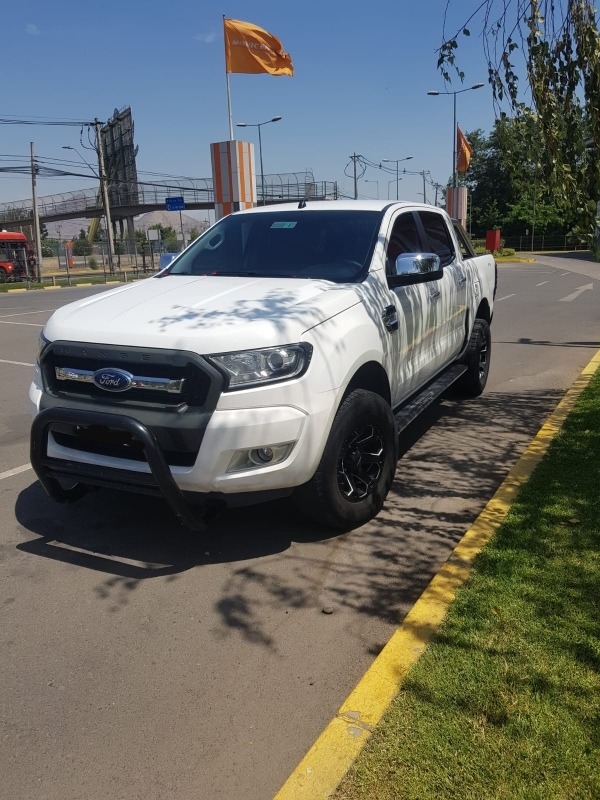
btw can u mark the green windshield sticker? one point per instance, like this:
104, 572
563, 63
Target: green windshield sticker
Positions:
283, 225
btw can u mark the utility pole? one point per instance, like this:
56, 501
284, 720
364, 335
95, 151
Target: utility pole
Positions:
424, 187
36, 219
105, 201
355, 158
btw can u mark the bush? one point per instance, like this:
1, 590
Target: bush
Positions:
92, 263
481, 251
505, 251
47, 252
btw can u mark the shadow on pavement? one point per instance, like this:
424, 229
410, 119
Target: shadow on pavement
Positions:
452, 460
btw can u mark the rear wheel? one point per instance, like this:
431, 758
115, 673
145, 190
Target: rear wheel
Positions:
477, 361
357, 466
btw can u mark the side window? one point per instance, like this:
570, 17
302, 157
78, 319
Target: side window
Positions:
404, 239
466, 248
437, 237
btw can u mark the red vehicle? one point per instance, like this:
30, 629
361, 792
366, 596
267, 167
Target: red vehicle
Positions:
17, 257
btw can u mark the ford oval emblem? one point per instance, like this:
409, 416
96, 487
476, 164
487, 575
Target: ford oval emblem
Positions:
113, 379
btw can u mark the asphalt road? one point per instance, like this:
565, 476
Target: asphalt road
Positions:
142, 661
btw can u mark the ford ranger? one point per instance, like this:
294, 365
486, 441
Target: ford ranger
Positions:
279, 354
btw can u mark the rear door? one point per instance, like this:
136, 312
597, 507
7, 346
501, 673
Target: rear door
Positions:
446, 297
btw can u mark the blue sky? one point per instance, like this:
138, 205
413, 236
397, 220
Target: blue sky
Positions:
361, 76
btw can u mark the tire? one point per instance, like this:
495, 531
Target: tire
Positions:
477, 361
357, 467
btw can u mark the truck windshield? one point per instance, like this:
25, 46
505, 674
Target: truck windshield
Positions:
324, 244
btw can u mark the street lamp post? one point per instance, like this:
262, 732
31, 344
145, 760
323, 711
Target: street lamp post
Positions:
458, 91
259, 126
396, 161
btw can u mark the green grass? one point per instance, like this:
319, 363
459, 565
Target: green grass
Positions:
506, 701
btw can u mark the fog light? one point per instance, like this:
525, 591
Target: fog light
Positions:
268, 455
260, 456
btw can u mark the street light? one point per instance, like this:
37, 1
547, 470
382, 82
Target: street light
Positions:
368, 180
396, 161
259, 126
458, 91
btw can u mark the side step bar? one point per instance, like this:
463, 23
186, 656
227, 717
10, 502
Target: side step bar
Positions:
409, 412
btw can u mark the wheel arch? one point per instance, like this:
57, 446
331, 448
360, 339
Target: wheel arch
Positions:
373, 378
483, 311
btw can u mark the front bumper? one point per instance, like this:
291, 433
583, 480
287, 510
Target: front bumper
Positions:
51, 471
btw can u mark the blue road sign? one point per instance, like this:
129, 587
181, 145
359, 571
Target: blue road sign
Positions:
175, 203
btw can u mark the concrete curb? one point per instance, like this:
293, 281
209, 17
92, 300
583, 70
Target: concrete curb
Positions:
323, 767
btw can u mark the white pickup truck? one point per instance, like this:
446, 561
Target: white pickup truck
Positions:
279, 354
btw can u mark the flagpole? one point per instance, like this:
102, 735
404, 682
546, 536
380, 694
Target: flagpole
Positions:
229, 112
229, 109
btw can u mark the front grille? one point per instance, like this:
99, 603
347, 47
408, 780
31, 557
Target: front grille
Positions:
176, 414
184, 367
116, 444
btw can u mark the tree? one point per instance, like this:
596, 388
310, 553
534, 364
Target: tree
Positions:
81, 247
168, 236
560, 46
506, 185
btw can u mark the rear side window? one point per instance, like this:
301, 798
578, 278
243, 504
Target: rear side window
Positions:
437, 237
464, 243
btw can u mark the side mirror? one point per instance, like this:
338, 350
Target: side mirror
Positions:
417, 264
415, 268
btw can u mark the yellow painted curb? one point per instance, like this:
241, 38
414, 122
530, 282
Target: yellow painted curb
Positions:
16, 290
321, 770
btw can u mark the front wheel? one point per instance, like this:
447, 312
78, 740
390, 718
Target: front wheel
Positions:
477, 361
357, 467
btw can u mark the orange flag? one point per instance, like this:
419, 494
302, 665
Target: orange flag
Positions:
249, 48
463, 151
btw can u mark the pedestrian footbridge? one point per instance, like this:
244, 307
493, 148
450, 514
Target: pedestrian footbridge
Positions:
128, 200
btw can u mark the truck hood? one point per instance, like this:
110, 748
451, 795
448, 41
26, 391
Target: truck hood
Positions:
203, 314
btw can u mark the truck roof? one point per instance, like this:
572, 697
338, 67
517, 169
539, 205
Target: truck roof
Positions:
338, 205
12, 236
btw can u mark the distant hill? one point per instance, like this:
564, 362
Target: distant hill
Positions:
70, 228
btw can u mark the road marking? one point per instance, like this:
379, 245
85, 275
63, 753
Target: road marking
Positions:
542, 283
31, 324
16, 363
25, 313
570, 297
14, 471
506, 297
321, 770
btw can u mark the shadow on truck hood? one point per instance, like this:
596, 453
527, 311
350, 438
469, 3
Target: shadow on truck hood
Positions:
205, 314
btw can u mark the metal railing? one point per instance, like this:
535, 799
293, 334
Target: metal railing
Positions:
195, 192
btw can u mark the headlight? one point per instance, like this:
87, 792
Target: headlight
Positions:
42, 345
268, 365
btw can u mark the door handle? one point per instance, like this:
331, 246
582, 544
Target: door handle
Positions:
434, 294
389, 315
462, 279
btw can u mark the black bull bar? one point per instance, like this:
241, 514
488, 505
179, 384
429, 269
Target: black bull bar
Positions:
159, 483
